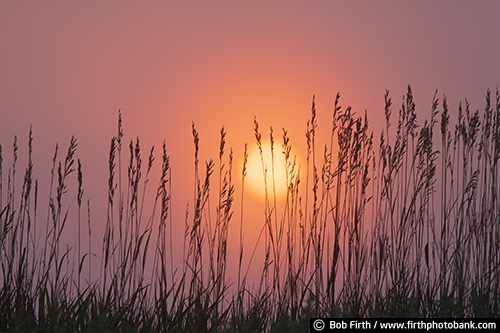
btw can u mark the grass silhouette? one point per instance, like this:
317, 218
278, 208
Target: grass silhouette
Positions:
404, 230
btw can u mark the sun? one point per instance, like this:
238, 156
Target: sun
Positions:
270, 164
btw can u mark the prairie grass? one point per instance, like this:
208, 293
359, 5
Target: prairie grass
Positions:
402, 230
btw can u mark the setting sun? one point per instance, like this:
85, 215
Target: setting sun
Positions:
269, 162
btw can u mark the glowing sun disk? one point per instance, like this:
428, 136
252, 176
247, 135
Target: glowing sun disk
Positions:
269, 164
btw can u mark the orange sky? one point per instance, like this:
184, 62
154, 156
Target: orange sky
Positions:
67, 67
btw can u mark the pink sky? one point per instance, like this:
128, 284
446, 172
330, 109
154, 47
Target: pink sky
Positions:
67, 67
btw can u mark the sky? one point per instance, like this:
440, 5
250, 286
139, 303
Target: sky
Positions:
66, 68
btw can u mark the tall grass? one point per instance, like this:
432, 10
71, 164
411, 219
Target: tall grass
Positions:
401, 230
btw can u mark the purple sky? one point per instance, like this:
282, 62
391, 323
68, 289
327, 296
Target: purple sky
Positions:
67, 67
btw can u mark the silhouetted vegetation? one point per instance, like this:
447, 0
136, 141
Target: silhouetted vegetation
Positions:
408, 226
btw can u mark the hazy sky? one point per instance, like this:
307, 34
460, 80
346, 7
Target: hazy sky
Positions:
66, 68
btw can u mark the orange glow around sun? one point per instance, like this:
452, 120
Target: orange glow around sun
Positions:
258, 166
